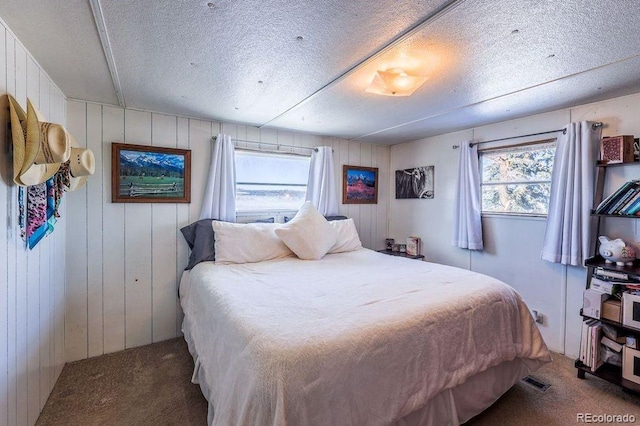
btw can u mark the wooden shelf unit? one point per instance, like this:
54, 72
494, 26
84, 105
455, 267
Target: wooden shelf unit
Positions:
608, 372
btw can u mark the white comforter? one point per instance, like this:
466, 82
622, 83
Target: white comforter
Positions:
357, 338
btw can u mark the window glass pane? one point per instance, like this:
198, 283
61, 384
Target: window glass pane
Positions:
518, 198
517, 179
533, 162
267, 181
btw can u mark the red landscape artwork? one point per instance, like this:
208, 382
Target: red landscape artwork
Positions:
360, 185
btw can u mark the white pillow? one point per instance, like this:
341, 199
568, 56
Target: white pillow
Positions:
308, 234
348, 239
247, 242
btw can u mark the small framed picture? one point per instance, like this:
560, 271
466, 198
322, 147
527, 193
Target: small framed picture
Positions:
150, 174
389, 243
359, 185
403, 248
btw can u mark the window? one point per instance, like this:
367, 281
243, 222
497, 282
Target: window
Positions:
517, 180
266, 181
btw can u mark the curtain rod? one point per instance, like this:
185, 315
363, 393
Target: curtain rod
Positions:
593, 126
277, 145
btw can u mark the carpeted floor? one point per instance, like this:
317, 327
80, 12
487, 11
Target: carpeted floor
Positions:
151, 385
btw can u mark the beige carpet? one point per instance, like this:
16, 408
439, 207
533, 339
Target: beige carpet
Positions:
151, 386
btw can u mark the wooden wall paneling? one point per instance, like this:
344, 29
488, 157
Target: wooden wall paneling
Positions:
373, 216
230, 129
33, 81
113, 248
285, 138
7, 283
200, 143
76, 331
59, 112
182, 135
365, 209
33, 286
45, 282
60, 303
343, 158
164, 225
252, 134
137, 225
384, 195
269, 135
20, 75
93, 213
354, 159
47, 98
17, 85
27, 286
182, 211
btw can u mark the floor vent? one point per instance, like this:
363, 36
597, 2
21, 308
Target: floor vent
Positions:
536, 384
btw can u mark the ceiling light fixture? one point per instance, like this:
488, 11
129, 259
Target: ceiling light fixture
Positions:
395, 82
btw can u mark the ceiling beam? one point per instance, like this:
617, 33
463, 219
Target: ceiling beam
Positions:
101, 26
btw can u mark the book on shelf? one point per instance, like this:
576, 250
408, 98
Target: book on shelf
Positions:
621, 195
413, 246
625, 206
633, 207
590, 344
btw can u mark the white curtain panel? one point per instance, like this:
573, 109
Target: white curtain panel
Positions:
220, 195
566, 238
467, 225
321, 187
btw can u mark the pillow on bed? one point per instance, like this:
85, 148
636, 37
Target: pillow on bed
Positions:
199, 236
308, 234
348, 239
247, 242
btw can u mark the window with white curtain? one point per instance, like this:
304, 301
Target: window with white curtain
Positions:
516, 180
270, 181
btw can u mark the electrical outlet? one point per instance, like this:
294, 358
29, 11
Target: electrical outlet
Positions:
537, 316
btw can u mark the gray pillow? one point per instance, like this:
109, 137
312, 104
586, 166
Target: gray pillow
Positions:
330, 218
199, 236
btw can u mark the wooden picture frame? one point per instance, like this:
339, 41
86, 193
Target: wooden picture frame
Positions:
359, 185
150, 174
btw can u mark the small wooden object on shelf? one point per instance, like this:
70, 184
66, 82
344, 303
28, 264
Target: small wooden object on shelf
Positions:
616, 149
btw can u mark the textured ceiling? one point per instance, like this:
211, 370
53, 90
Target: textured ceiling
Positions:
304, 66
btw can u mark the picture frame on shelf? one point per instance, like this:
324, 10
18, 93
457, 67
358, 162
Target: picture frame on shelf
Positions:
150, 174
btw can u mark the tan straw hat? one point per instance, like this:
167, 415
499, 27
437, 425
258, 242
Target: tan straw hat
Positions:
18, 136
47, 146
82, 164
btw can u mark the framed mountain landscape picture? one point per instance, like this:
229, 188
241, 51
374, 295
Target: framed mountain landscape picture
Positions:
359, 185
150, 174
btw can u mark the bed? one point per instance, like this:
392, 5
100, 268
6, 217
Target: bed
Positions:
355, 338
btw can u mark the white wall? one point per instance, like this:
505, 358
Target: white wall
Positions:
31, 282
124, 260
512, 245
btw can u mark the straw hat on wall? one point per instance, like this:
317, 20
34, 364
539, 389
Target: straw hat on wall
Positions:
38, 146
47, 145
82, 164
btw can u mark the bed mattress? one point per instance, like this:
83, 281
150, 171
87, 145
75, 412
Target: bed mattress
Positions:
355, 338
